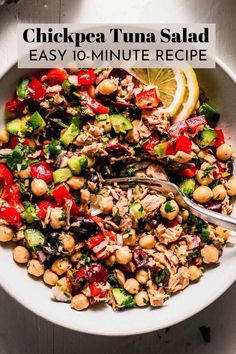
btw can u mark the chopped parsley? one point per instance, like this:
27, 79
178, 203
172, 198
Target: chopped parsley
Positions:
208, 170
168, 207
161, 276
17, 159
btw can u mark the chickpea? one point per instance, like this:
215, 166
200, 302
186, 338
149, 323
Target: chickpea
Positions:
76, 182
169, 210
79, 302
123, 255
224, 152
202, 194
105, 124
68, 242
231, 187
50, 278
107, 86
35, 268
76, 257
4, 136
132, 286
141, 299
194, 273
25, 173
21, 255
222, 233
204, 178
60, 266
129, 238
133, 134
219, 192
142, 276
147, 241
106, 204
6, 233
39, 187
110, 261
210, 254
57, 218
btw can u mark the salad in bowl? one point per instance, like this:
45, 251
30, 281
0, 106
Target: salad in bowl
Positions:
67, 131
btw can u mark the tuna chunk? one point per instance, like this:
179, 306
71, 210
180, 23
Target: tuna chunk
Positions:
152, 203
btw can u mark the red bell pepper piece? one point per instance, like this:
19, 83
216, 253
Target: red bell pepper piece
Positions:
42, 171
14, 141
147, 99
188, 172
183, 143
61, 194
195, 124
96, 290
11, 215
151, 144
6, 177
93, 104
86, 77
95, 240
43, 208
36, 90
220, 138
177, 129
56, 76
111, 236
172, 223
15, 106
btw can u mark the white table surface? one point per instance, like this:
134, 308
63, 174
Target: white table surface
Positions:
21, 332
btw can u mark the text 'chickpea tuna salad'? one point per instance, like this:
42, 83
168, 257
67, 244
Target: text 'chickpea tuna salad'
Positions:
67, 132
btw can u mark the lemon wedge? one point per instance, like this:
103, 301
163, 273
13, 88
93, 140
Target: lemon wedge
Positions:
191, 96
170, 82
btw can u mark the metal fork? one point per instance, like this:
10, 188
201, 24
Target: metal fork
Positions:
166, 187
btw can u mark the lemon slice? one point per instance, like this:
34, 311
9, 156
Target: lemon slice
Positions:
191, 96
170, 82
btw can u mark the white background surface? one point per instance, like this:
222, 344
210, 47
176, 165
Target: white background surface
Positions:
21, 332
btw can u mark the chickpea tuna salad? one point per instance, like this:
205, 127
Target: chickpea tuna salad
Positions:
69, 130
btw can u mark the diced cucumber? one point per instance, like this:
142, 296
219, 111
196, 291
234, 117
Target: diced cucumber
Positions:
122, 298
136, 209
70, 134
101, 117
206, 138
61, 175
120, 123
162, 148
77, 164
22, 89
34, 238
17, 127
29, 214
188, 186
211, 115
36, 122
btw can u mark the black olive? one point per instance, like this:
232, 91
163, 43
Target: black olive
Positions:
230, 167
53, 129
52, 243
85, 227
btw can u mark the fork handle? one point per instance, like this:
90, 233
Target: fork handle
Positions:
211, 216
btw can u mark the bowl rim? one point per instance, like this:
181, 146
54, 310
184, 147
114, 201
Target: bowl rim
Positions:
147, 329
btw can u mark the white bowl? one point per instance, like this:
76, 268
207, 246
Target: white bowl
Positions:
219, 85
